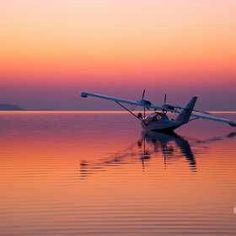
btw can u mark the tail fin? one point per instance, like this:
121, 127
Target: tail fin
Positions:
185, 115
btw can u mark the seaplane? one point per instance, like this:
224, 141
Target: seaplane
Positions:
157, 119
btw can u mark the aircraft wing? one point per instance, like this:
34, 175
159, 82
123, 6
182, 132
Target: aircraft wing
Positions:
213, 118
147, 104
196, 114
141, 103
207, 116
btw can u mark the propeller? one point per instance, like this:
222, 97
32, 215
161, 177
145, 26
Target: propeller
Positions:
165, 106
145, 103
143, 95
165, 99
144, 107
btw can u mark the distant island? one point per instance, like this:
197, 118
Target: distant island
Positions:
10, 107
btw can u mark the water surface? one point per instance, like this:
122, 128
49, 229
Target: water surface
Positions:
98, 174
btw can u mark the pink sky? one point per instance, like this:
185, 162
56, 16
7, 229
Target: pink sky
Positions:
60, 47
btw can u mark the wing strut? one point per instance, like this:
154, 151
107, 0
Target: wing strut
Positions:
124, 107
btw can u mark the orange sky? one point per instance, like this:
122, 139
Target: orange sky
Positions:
82, 42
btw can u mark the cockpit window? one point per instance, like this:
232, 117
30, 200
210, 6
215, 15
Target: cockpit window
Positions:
157, 117
161, 116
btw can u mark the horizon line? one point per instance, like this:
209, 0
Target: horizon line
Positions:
97, 111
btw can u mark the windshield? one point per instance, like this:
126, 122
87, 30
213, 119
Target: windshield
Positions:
157, 116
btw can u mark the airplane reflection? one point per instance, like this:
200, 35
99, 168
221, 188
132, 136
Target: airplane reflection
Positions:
170, 145
167, 144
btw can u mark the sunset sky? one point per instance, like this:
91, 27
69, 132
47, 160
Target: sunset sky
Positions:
51, 50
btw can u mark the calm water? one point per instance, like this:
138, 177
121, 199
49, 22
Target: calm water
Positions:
97, 174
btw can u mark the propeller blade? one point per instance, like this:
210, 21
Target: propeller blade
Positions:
143, 95
165, 99
144, 107
164, 105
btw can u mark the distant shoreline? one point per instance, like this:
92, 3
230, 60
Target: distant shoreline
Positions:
10, 107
